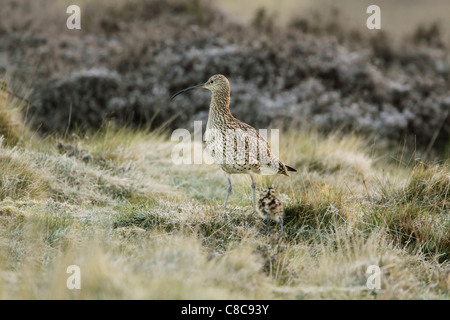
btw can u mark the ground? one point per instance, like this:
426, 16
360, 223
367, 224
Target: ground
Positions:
87, 177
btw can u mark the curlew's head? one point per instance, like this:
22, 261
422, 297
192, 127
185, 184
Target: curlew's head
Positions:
217, 84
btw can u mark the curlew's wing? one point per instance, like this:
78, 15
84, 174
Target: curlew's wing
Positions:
257, 150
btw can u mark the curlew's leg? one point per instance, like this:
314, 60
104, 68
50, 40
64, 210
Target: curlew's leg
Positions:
267, 224
229, 188
281, 225
253, 190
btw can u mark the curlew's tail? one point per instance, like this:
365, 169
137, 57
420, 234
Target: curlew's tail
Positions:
284, 169
290, 168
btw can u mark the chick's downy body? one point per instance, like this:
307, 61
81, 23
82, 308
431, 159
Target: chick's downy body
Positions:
270, 208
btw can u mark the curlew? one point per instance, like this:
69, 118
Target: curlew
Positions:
235, 146
270, 207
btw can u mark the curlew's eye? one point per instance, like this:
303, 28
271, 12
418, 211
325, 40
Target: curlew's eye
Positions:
211, 81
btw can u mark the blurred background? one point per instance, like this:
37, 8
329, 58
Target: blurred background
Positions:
290, 63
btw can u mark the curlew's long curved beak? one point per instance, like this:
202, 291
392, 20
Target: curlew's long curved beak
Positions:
199, 86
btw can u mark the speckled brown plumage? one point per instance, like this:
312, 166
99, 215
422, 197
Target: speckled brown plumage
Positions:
270, 207
235, 146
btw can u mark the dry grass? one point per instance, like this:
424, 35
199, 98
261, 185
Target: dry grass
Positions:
141, 227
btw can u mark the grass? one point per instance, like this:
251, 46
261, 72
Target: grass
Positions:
141, 227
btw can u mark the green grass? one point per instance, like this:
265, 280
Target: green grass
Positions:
141, 227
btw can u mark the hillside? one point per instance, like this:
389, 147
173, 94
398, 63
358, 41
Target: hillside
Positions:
125, 62
141, 227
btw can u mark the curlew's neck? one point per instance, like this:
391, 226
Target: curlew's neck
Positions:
219, 109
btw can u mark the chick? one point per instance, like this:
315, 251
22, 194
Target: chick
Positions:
270, 207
